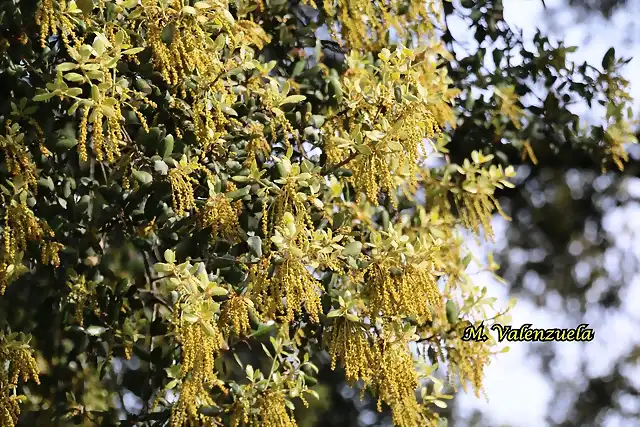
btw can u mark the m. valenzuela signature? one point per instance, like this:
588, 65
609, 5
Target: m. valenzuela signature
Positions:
528, 334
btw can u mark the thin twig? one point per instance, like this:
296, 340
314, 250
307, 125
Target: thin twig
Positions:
430, 337
342, 163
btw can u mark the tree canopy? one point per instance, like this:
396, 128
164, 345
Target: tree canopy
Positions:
207, 202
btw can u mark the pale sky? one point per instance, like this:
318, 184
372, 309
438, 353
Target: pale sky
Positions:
519, 395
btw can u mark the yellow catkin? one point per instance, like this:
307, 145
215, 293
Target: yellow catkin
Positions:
16, 156
476, 211
78, 297
258, 144
287, 201
182, 186
234, 318
21, 226
350, 344
408, 291
396, 382
220, 217
467, 361
273, 411
293, 283
200, 342
375, 164
18, 364
527, 151
270, 411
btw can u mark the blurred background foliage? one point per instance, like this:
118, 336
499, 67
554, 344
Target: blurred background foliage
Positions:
604, 7
572, 247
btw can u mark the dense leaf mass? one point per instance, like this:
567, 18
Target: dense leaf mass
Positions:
201, 200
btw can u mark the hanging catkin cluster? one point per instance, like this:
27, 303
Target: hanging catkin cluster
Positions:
21, 227
200, 342
234, 318
291, 282
18, 364
392, 291
220, 216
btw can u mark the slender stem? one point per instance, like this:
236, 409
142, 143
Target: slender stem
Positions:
273, 367
342, 163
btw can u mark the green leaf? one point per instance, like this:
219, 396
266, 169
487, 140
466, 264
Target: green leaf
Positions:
452, 312
255, 245
166, 146
228, 110
239, 194
190, 318
293, 99
86, 6
169, 256
374, 135
299, 67
162, 267
352, 317
314, 394
74, 77
95, 331
352, 249
44, 96
67, 66
73, 91
336, 88
67, 136
363, 149
262, 329
95, 93
167, 33
397, 94
249, 371
395, 146
317, 121
338, 220
209, 411
609, 57
48, 183
142, 85
160, 167
142, 177
218, 291
133, 51
73, 108
220, 42
466, 260
440, 404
